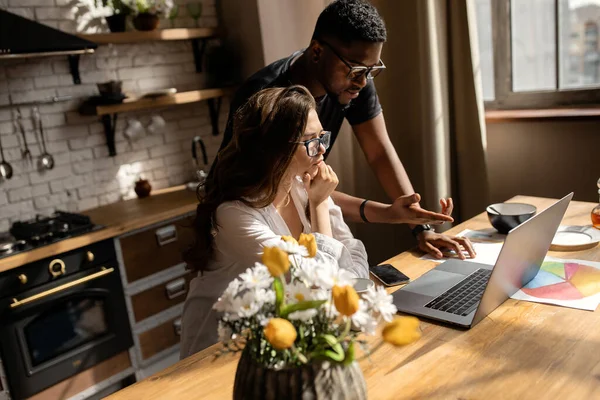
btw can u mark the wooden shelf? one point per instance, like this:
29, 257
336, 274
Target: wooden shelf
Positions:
156, 35
145, 103
108, 113
536, 114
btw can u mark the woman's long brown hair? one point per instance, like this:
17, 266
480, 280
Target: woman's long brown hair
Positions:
252, 165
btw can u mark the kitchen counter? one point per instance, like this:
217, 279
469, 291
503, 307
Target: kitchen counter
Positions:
118, 219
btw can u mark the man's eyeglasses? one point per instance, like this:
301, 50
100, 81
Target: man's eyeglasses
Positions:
357, 72
313, 145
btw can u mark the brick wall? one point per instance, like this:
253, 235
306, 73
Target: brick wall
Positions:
84, 175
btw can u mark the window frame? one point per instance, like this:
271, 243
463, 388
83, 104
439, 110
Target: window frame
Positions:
504, 96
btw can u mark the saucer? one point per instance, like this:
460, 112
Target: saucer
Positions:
574, 238
361, 285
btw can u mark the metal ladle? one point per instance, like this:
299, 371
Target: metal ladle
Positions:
6, 170
46, 160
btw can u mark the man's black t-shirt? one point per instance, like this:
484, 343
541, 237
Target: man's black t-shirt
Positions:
365, 107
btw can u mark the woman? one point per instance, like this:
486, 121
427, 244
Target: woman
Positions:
270, 180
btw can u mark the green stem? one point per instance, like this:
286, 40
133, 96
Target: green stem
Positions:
346, 329
367, 355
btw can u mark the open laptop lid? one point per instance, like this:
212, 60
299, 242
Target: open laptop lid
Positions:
521, 256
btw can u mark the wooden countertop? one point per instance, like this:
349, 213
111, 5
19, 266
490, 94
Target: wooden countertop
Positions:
521, 350
118, 219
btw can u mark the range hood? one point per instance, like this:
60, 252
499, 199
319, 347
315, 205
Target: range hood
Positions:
23, 38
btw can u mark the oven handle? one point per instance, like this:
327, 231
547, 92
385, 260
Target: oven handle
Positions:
105, 271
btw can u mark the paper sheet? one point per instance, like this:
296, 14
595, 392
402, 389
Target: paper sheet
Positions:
487, 251
567, 283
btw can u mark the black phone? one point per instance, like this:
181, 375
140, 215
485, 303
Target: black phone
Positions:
388, 275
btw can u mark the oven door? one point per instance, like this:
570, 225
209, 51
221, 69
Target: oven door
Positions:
60, 329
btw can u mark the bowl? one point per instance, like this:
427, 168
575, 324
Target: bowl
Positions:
110, 88
506, 216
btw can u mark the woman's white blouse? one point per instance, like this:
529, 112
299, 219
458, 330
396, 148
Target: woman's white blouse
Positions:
238, 243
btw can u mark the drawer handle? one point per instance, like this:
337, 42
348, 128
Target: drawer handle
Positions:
176, 288
177, 326
166, 235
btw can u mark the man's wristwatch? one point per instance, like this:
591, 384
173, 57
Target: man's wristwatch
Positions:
420, 228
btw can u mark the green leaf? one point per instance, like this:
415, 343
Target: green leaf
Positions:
301, 306
337, 351
350, 354
278, 287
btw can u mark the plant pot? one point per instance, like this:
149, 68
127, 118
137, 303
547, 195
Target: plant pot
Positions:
116, 22
319, 381
142, 188
146, 22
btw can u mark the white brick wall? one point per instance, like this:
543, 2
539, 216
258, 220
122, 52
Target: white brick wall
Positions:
84, 175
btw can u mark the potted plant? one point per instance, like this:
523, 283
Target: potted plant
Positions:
148, 12
299, 326
120, 11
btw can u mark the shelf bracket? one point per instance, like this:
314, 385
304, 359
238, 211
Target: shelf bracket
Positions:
110, 124
214, 107
74, 68
198, 52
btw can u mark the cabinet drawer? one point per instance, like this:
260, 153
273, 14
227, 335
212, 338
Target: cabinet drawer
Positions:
156, 249
160, 297
160, 338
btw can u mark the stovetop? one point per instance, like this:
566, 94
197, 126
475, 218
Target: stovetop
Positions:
42, 231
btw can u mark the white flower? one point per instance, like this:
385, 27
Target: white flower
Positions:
225, 302
292, 248
246, 305
297, 292
304, 315
264, 296
263, 320
330, 275
328, 307
363, 320
381, 302
256, 278
306, 271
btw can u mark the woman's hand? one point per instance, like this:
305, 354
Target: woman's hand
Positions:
320, 187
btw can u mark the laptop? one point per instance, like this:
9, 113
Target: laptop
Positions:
462, 293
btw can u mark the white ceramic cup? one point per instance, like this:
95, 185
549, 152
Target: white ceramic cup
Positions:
134, 130
157, 124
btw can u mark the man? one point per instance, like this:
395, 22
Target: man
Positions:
338, 68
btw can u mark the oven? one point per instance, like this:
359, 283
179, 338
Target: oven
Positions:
60, 316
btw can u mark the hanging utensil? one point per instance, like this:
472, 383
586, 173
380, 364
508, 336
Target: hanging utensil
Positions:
46, 161
25, 153
6, 170
201, 175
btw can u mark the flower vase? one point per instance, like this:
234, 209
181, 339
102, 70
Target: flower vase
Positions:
116, 22
318, 380
146, 22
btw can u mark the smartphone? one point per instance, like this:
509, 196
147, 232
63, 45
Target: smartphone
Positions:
388, 275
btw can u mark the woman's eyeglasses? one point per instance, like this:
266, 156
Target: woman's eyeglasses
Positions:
313, 145
357, 72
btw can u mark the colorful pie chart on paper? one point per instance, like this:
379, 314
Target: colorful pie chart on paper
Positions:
564, 281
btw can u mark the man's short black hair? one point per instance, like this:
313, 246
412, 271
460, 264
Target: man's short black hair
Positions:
350, 20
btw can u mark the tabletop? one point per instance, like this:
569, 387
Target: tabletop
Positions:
521, 350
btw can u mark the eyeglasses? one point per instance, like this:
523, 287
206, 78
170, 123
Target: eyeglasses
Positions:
357, 72
313, 145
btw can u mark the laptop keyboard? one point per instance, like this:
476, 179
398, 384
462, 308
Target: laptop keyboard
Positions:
463, 297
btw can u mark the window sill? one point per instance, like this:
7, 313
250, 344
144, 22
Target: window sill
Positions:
494, 116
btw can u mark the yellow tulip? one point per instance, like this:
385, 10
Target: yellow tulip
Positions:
289, 239
402, 331
280, 333
276, 260
309, 242
345, 299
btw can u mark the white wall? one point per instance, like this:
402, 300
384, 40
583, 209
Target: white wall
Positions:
85, 176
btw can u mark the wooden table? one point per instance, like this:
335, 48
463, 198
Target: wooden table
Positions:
520, 351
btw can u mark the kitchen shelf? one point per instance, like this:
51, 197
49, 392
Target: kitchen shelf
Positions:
155, 35
196, 35
109, 112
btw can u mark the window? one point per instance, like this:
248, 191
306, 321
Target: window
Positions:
545, 53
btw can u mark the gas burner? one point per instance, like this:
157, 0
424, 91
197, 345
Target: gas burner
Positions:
42, 230
10, 247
